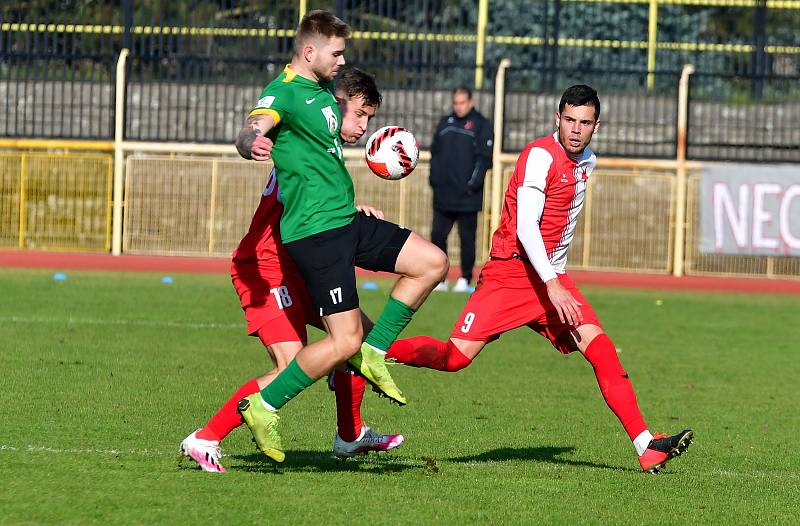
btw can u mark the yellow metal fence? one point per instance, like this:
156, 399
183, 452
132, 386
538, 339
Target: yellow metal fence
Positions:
626, 223
55, 201
202, 205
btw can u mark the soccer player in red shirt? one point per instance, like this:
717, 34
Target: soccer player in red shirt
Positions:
277, 307
525, 280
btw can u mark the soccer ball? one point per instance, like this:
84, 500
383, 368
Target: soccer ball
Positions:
392, 152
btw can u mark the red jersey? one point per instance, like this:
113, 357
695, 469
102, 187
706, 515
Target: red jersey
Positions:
545, 166
263, 240
270, 287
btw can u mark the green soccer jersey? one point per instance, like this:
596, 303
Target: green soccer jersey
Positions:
316, 188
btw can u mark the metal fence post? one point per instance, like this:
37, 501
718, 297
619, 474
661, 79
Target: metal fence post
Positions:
119, 157
497, 147
652, 30
23, 169
302, 8
127, 23
480, 46
680, 183
212, 204
760, 58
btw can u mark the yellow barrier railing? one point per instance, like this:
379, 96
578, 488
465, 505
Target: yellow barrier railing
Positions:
55, 201
199, 200
193, 204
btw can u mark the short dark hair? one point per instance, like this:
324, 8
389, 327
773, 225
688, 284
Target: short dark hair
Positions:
462, 89
580, 95
353, 82
318, 23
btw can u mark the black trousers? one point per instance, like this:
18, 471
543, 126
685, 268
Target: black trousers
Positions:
467, 230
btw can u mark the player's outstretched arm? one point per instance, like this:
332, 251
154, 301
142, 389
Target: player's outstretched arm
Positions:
530, 203
251, 142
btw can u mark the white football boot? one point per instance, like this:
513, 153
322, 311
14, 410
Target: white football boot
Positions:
205, 452
367, 441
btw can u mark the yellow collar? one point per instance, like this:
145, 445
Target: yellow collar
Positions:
290, 74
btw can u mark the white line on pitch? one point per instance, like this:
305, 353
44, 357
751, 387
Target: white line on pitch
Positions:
78, 451
133, 323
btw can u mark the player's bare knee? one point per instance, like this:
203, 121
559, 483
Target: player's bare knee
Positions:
440, 266
345, 346
583, 336
436, 265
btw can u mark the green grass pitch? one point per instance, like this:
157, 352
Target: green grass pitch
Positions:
103, 375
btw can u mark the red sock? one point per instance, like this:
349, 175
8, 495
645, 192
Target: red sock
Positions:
227, 418
349, 390
614, 384
424, 351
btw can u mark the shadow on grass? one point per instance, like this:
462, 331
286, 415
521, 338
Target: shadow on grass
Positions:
537, 454
318, 461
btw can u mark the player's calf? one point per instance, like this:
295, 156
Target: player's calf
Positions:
424, 351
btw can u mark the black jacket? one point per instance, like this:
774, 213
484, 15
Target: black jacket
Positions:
461, 152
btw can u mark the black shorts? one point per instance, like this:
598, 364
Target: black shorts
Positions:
327, 260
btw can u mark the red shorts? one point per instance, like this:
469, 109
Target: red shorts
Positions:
276, 299
509, 295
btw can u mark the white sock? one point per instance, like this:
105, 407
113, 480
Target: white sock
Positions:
267, 406
363, 432
642, 441
375, 349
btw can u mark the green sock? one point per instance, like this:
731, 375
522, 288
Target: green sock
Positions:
286, 385
394, 318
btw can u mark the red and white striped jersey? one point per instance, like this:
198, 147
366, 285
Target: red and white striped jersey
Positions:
545, 166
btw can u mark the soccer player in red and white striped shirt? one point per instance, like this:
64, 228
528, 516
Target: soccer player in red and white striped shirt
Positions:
525, 282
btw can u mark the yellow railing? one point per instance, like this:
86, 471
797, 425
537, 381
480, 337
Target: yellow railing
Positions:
211, 201
55, 201
200, 197
195, 204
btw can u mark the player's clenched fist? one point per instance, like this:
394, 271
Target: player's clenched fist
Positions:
261, 149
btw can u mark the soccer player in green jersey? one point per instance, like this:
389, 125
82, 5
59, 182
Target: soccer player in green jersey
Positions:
323, 232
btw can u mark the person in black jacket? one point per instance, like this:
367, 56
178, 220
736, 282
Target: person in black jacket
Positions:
461, 153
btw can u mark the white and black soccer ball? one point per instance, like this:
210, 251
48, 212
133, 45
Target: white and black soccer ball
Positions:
392, 152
